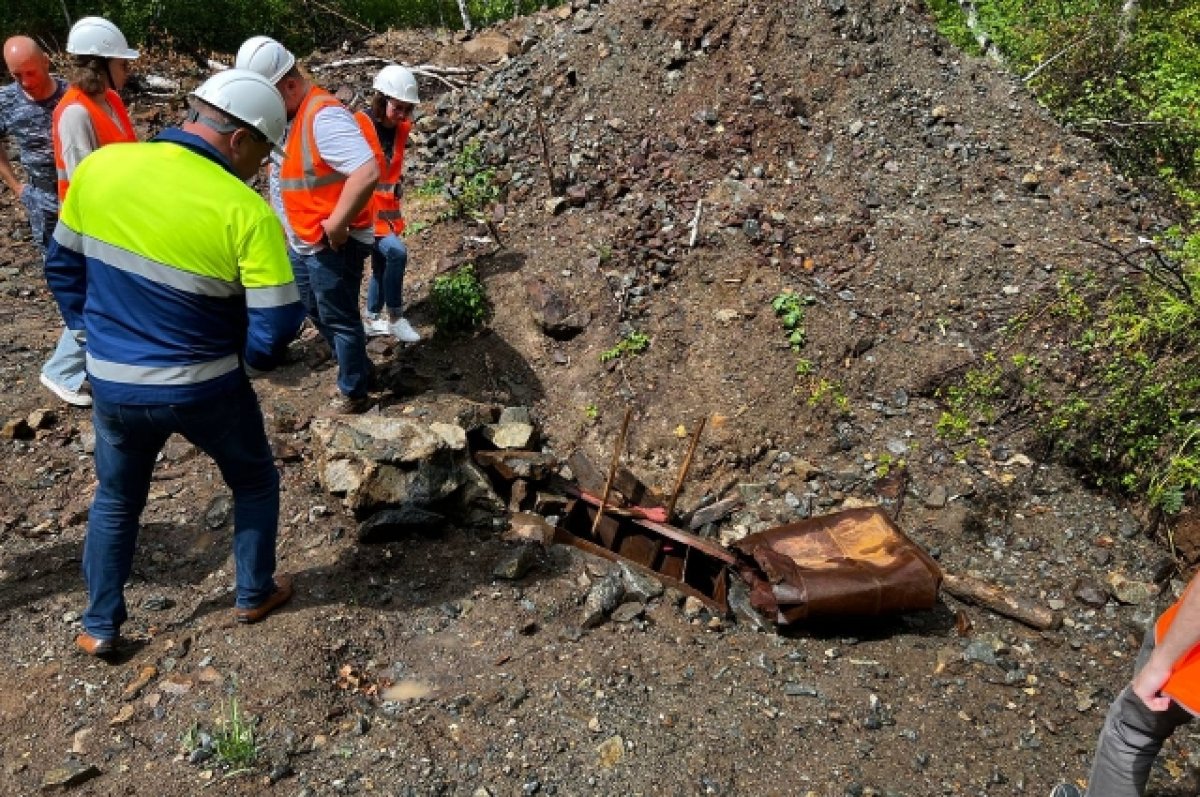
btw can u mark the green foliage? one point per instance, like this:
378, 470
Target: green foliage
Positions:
952, 23
633, 343
472, 186
433, 187
234, 745
592, 412
459, 301
831, 392
1134, 427
1130, 82
224, 24
789, 306
1126, 415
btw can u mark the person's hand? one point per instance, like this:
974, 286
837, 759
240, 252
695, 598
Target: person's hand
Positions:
335, 235
1147, 683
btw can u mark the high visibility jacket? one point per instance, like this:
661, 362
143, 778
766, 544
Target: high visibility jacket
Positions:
385, 202
1183, 686
176, 269
308, 186
108, 130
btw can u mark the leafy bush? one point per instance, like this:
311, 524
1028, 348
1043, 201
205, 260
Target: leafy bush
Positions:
224, 24
472, 186
1129, 81
459, 300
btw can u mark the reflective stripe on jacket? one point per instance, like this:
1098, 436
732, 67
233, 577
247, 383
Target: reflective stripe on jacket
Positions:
176, 269
108, 130
385, 202
308, 186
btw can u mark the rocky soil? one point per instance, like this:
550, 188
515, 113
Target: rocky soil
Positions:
703, 158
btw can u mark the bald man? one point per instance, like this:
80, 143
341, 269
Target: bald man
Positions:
26, 108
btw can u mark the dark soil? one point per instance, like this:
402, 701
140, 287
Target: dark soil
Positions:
840, 150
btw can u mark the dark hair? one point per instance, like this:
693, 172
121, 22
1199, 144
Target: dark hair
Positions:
90, 74
378, 106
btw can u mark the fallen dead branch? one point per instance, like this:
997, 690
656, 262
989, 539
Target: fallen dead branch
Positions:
449, 75
996, 599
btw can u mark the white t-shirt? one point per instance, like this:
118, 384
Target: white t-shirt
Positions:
76, 136
341, 144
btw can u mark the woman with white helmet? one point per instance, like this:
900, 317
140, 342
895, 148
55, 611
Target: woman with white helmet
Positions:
386, 129
89, 116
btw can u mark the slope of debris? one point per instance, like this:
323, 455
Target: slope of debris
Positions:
667, 169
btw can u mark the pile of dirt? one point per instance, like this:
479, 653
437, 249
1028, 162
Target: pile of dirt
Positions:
668, 169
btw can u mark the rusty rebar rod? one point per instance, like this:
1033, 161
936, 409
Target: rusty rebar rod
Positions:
683, 471
612, 469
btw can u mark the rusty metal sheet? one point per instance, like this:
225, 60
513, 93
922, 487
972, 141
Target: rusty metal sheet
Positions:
855, 562
693, 565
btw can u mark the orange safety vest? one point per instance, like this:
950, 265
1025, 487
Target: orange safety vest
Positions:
385, 202
308, 186
1183, 685
108, 130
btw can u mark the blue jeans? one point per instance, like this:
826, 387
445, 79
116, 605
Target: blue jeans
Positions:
329, 282
128, 440
389, 258
67, 366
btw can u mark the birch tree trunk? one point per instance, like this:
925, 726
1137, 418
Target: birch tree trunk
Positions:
466, 18
1129, 12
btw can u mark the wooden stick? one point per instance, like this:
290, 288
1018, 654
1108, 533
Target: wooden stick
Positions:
994, 598
612, 468
541, 129
683, 471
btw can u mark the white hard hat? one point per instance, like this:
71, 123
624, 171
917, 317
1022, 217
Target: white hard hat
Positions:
98, 36
249, 98
398, 83
264, 55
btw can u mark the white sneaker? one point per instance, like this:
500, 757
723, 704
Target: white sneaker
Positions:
376, 326
404, 332
76, 398
1066, 790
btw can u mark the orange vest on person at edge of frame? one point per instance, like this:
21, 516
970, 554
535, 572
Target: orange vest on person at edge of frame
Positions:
389, 218
1183, 685
308, 186
108, 130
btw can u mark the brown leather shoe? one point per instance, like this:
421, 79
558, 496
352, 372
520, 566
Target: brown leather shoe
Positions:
100, 648
347, 405
281, 595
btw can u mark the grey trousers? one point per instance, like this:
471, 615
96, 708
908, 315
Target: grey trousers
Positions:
1130, 739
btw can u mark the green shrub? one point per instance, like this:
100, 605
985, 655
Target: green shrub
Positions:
224, 24
459, 300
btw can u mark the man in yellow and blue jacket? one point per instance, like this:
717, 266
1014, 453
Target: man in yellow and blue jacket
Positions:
179, 275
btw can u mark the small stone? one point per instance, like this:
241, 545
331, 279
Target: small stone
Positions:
937, 497
69, 775
1130, 592
792, 689
219, 511
518, 565
1090, 595
610, 752
627, 612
